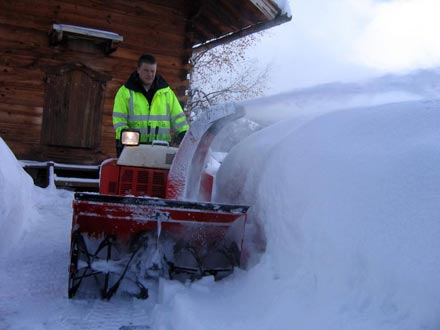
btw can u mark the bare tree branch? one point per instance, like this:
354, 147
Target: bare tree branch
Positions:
223, 74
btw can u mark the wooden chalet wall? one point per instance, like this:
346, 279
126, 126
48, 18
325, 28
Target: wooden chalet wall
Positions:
27, 61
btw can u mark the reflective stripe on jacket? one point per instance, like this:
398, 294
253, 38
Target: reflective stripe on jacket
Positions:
132, 110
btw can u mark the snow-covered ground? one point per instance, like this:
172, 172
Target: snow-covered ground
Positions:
346, 184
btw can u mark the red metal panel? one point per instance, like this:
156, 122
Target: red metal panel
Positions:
138, 181
126, 220
108, 183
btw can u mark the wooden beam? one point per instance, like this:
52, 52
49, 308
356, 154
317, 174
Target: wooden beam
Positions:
267, 7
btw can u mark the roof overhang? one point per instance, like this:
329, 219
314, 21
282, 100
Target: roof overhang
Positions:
268, 15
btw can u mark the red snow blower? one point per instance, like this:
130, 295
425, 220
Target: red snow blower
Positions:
153, 217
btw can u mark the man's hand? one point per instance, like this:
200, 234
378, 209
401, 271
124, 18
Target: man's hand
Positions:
180, 136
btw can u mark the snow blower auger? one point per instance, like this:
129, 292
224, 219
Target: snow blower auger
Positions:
153, 217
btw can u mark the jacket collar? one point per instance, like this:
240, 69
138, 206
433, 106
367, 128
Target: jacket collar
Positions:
134, 83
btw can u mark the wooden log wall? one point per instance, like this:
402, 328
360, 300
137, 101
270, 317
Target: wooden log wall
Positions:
157, 27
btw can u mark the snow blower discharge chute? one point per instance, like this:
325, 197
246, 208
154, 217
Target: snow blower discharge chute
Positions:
142, 225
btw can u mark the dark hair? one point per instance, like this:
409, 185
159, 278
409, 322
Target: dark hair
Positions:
146, 58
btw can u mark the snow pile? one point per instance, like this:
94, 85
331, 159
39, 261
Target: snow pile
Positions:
17, 193
351, 218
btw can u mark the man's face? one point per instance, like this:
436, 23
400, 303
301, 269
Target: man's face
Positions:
147, 72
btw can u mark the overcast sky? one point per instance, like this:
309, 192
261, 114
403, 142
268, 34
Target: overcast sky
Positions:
347, 40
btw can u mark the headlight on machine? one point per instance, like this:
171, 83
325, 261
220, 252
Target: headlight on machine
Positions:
130, 138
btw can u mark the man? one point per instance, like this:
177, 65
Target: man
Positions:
147, 103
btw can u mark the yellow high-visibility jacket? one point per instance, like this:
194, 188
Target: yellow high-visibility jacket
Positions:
154, 118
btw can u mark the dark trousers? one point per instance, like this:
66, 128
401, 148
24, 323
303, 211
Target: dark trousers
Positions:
119, 148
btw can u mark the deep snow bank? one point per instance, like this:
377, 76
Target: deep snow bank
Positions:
16, 198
